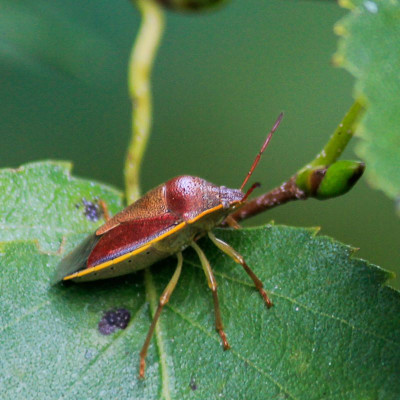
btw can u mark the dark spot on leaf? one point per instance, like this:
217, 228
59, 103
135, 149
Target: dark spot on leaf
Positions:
92, 210
105, 328
193, 384
113, 320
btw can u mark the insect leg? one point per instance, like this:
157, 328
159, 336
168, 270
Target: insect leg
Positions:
163, 301
212, 283
104, 208
239, 259
229, 220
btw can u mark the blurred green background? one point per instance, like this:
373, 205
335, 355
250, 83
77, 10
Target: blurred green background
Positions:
220, 80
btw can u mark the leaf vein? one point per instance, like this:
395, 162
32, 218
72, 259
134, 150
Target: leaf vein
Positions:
153, 300
31, 311
47, 228
236, 353
106, 348
305, 307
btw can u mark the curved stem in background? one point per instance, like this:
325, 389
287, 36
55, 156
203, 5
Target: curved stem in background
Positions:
139, 74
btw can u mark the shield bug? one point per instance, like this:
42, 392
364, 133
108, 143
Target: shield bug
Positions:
165, 221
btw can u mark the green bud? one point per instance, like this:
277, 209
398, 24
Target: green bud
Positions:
190, 5
326, 182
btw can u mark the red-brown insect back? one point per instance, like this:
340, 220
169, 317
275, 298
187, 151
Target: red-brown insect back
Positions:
165, 221
188, 196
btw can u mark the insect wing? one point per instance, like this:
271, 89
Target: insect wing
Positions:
76, 260
130, 236
115, 245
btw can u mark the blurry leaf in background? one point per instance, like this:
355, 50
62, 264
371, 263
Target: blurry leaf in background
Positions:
333, 333
370, 50
40, 36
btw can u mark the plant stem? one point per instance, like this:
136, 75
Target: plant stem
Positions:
139, 74
289, 190
339, 139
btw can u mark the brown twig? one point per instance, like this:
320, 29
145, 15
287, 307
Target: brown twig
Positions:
308, 181
288, 191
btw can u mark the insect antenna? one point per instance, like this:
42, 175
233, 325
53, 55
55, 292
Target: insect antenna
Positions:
250, 191
257, 159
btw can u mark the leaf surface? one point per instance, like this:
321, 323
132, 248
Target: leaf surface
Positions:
334, 332
370, 50
42, 202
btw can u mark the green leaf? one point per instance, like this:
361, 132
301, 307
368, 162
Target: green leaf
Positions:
42, 202
333, 333
370, 50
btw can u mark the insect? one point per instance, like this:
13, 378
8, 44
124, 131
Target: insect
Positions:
165, 221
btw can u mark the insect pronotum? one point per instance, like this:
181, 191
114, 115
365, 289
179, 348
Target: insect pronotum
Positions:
165, 221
